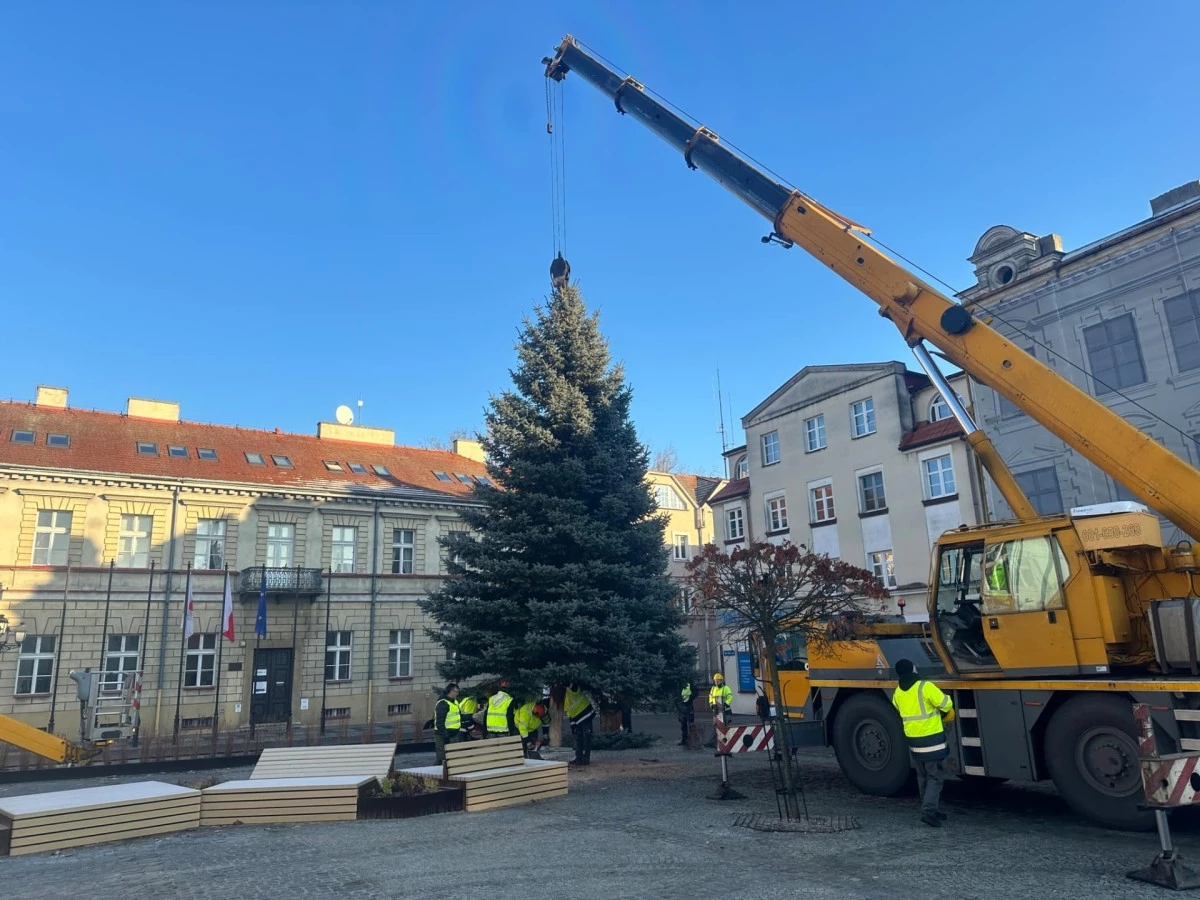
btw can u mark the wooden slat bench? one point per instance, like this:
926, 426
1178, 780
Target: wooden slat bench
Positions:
376, 760
259, 801
476, 756
494, 773
60, 819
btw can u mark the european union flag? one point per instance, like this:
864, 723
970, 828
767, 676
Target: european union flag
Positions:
260, 621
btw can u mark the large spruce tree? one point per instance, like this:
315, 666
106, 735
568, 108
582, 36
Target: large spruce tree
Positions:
562, 578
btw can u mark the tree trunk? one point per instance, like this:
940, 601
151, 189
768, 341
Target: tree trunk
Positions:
556, 718
782, 743
610, 721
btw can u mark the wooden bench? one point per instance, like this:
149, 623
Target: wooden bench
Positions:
33, 823
376, 760
272, 801
495, 773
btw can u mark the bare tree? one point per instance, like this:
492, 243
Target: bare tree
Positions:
434, 443
666, 459
770, 589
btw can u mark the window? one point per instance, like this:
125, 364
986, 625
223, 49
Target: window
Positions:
1023, 576
195, 723
777, 519
200, 661
742, 468
333, 466
400, 653
210, 544
442, 476
465, 479
281, 540
382, 471
735, 526
255, 459
337, 712
862, 418
357, 468
176, 451
58, 440
770, 448
282, 461
206, 453
22, 437
133, 542
484, 480
35, 665
120, 659
1114, 355
403, 542
939, 477
341, 557
147, 448
666, 497
882, 567
681, 548
814, 433
399, 709
337, 655
871, 493
1041, 487
51, 537
821, 503
1183, 322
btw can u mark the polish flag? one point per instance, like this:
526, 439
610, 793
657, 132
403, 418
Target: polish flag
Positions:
227, 614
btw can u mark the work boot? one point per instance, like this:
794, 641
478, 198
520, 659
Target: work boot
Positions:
931, 819
941, 815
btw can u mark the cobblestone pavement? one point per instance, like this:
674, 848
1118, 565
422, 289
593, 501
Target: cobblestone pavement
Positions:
637, 824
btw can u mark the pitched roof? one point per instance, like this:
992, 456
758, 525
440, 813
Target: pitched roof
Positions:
738, 487
931, 432
108, 442
698, 487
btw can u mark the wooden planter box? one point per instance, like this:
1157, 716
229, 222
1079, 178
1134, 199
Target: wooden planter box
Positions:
447, 798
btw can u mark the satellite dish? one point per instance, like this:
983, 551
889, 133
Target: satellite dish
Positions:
344, 415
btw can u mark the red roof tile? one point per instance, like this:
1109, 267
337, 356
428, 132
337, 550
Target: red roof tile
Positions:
107, 442
929, 432
738, 487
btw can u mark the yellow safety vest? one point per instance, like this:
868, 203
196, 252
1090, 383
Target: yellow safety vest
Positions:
576, 705
453, 716
527, 723
720, 693
686, 694
497, 713
467, 708
921, 708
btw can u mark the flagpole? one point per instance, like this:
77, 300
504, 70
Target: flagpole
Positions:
220, 654
324, 674
142, 654
260, 631
58, 648
107, 604
187, 599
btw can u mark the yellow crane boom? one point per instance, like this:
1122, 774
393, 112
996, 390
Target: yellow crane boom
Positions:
1149, 470
42, 743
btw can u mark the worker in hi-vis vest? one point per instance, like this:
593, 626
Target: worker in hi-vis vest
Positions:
581, 714
720, 698
924, 711
446, 721
500, 713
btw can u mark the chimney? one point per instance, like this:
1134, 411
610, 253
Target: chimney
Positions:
358, 434
1185, 193
51, 396
472, 450
162, 410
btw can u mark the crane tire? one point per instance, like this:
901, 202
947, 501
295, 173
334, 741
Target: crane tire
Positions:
870, 746
1091, 753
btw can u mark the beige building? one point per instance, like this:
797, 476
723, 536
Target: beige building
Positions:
862, 462
135, 499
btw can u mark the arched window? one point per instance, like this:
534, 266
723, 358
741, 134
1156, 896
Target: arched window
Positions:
741, 468
939, 409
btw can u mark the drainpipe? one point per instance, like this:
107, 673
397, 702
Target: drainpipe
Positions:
371, 631
162, 647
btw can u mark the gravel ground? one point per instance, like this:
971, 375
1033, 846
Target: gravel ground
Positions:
637, 824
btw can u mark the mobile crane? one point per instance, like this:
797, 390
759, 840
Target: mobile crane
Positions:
1045, 629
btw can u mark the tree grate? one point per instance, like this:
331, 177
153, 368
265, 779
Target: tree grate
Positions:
808, 825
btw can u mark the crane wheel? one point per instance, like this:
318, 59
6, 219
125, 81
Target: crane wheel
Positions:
870, 746
1092, 755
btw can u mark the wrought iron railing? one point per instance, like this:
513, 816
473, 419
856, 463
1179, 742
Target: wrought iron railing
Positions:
280, 580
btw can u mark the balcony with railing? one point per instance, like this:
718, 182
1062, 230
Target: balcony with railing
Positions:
280, 580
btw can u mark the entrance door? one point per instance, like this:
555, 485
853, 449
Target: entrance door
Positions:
271, 686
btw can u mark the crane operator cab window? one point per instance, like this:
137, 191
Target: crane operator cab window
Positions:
958, 616
1025, 575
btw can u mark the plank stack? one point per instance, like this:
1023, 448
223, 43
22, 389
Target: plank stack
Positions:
281, 801
60, 819
495, 773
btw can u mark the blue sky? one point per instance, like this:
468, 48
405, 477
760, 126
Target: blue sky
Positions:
263, 210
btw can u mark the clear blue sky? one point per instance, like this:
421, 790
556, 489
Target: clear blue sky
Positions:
263, 210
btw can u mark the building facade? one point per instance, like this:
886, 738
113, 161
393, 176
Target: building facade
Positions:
1119, 318
107, 520
847, 460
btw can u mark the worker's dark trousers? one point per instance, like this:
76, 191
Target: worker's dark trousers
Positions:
439, 744
930, 775
583, 740
685, 726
